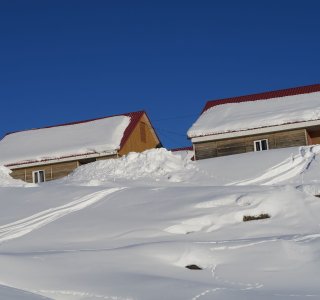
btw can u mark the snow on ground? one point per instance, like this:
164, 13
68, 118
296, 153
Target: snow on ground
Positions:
127, 228
15, 294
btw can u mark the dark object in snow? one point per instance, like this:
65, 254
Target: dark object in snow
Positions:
251, 218
317, 196
193, 267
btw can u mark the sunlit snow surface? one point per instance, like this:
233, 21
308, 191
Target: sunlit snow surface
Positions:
126, 229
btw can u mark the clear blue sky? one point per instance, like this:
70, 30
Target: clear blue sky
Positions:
62, 61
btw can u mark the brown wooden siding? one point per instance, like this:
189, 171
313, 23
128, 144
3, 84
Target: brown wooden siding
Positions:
231, 146
52, 171
142, 138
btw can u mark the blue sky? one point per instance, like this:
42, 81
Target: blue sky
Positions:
62, 61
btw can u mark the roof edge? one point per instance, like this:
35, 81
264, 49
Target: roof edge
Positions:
77, 122
264, 95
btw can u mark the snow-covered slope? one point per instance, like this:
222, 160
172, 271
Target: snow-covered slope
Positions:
124, 229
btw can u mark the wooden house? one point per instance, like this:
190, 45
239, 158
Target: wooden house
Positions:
258, 122
53, 152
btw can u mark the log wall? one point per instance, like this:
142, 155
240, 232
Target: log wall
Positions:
52, 171
231, 146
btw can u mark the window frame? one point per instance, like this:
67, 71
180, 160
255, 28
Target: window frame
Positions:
38, 172
260, 144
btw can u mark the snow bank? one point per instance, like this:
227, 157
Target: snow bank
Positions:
155, 164
7, 180
257, 114
55, 142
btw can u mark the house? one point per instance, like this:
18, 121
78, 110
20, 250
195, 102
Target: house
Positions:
258, 122
53, 152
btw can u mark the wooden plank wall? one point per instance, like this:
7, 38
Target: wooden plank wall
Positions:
224, 147
52, 171
142, 138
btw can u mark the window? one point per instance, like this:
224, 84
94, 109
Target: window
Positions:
38, 176
261, 145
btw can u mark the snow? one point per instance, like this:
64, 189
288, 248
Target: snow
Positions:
233, 117
155, 164
60, 141
16, 294
6, 180
127, 228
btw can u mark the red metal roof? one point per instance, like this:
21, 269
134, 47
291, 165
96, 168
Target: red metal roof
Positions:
263, 96
134, 119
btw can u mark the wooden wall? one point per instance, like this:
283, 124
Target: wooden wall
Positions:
52, 171
231, 146
142, 138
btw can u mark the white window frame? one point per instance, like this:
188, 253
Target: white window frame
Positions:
260, 142
38, 171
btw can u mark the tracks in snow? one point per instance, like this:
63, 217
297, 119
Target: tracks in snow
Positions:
286, 170
24, 226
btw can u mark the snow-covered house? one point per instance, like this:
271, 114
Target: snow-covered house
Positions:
276, 119
52, 152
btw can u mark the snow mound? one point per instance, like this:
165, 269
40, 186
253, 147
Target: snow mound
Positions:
155, 164
7, 180
282, 202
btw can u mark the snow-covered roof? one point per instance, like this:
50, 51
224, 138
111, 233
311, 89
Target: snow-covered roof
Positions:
105, 135
258, 111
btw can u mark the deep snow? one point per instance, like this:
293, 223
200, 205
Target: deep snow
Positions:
126, 229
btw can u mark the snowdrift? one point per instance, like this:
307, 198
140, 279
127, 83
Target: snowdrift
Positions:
154, 165
6, 180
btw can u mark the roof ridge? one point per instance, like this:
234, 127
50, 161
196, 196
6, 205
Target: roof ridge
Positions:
264, 95
78, 122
